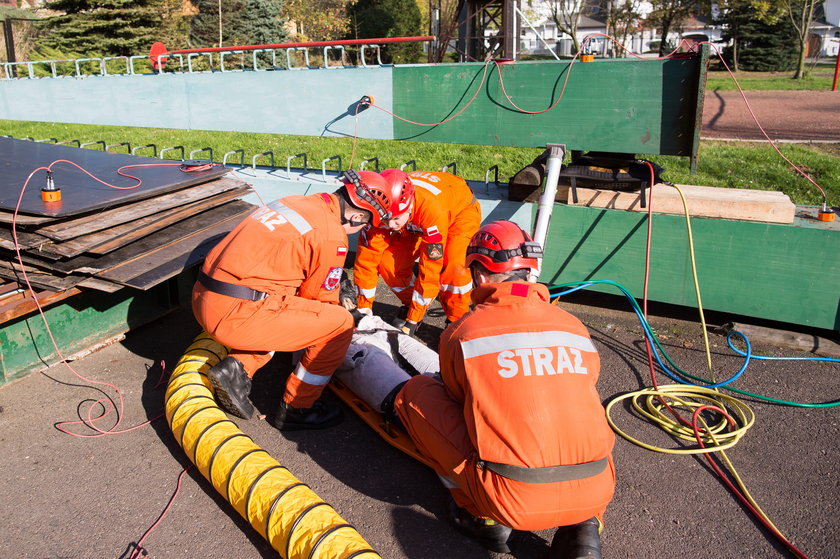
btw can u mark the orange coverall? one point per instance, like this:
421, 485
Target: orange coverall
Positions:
445, 217
518, 388
294, 250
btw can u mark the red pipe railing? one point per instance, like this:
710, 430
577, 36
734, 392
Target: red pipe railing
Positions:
158, 52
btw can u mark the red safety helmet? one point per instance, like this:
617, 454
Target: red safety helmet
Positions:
369, 191
502, 246
402, 190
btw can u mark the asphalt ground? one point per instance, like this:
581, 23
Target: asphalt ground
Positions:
65, 496
798, 116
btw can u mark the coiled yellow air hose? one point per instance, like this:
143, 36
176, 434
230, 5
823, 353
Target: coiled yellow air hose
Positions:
286, 512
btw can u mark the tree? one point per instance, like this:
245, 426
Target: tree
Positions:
109, 27
667, 16
237, 22
566, 16
317, 20
801, 14
443, 17
623, 20
388, 18
758, 46
761, 38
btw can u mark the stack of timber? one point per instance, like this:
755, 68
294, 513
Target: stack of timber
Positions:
103, 238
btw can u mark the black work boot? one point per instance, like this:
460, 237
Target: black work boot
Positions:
578, 541
487, 532
320, 416
232, 387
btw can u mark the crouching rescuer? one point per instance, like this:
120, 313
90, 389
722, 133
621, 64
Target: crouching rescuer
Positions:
272, 285
512, 423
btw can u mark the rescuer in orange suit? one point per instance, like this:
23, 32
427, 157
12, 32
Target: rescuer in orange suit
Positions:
444, 216
272, 285
514, 426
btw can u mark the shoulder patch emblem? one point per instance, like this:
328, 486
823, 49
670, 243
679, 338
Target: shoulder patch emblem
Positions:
333, 279
434, 251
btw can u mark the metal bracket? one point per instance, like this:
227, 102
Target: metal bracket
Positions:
324, 165
164, 150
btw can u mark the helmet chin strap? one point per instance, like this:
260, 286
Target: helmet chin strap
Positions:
342, 204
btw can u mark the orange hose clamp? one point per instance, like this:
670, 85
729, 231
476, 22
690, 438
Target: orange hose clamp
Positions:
826, 215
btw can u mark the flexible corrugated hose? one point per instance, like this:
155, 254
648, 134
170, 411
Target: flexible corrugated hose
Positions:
285, 511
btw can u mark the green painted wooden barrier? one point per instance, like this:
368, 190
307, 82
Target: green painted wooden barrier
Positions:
79, 323
615, 105
785, 273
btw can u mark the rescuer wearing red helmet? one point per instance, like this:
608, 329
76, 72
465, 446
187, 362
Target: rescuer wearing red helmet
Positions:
441, 216
514, 426
272, 285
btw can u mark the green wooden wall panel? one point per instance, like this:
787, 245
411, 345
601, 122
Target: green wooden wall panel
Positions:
773, 272
616, 105
77, 324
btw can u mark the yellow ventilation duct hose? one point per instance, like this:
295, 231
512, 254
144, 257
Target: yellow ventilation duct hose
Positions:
286, 512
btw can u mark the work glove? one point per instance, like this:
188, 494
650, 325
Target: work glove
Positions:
405, 326
409, 327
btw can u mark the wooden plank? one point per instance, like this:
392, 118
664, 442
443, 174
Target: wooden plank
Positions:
23, 219
165, 237
38, 278
71, 228
25, 240
11, 309
175, 215
175, 266
180, 253
101, 285
102, 242
702, 201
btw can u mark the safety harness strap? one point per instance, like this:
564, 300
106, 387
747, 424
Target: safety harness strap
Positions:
550, 474
230, 289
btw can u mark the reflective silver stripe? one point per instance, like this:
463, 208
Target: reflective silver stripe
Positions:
524, 340
427, 185
297, 220
448, 483
311, 378
457, 289
401, 289
419, 299
369, 293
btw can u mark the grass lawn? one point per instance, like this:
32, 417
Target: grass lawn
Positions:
819, 79
743, 165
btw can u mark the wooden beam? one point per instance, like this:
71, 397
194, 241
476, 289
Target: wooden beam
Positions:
702, 201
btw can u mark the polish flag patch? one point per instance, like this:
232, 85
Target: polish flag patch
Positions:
433, 235
341, 251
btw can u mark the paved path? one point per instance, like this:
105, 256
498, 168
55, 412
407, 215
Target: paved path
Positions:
63, 496
784, 115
